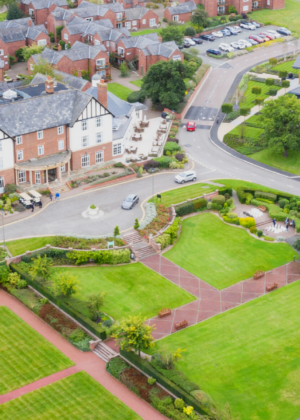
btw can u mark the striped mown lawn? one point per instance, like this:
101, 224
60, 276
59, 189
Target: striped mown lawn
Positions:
287, 66
25, 356
250, 97
252, 132
180, 194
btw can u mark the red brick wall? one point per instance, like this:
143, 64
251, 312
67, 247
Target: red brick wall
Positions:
4, 47
275, 4
8, 175
149, 15
76, 156
184, 17
12, 47
41, 36
71, 38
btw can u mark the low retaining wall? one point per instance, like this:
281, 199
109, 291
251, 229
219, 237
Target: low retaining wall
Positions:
113, 181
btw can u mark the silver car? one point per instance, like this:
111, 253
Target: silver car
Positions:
130, 201
185, 177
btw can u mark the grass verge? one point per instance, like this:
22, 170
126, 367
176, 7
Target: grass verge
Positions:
180, 194
137, 83
289, 164
120, 91
20, 246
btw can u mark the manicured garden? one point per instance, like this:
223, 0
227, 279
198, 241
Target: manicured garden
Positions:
250, 97
75, 397
248, 356
178, 195
270, 157
25, 356
137, 83
286, 66
120, 91
20, 246
222, 255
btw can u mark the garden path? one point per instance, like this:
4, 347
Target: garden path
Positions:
211, 301
88, 362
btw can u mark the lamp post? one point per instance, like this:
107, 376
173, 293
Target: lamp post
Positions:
153, 185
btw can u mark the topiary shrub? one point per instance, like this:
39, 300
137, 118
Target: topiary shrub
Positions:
184, 209
283, 202
200, 203
218, 199
253, 229
267, 195
270, 82
259, 233
273, 92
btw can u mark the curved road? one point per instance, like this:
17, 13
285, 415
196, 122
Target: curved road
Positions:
211, 162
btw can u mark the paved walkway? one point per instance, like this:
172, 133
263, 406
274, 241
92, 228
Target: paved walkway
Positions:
211, 301
88, 362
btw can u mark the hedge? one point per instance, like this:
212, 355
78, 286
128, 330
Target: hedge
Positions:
218, 199
184, 209
164, 240
164, 161
162, 380
114, 256
267, 195
50, 253
200, 203
225, 190
86, 322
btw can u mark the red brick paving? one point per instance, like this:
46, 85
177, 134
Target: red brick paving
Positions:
211, 301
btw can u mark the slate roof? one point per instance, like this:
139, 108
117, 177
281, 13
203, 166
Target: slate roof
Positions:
165, 49
296, 65
131, 1
115, 7
296, 92
15, 22
141, 41
45, 4
113, 34
136, 13
182, 8
81, 26
62, 14
86, 9
20, 32
68, 79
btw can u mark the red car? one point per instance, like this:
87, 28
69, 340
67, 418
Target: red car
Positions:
256, 38
266, 35
191, 126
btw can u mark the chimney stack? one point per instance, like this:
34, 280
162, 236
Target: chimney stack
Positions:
30, 22
159, 38
59, 47
78, 73
1, 71
49, 85
102, 93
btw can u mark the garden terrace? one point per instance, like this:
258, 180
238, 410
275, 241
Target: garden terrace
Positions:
25, 356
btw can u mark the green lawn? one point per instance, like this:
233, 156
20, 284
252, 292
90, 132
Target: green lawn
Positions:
3, 16
289, 164
252, 132
223, 255
137, 83
234, 183
180, 194
145, 32
25, 356
77, 397
254, 121
131, 289
250, 97
248, 356
288, 17
120, 91
20, 246
287, 66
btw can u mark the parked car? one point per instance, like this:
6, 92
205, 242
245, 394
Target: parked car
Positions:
130, 201
217, 34
208, 37
272, 32
191, 126
237, 28
247, 25
242, 46
266, 35
257, 38
283, 31
190, 41
253, 42
197, 40
186, 44
226, 47
214, 52
225, 32
235, 45
264, 38
257, 25
245, 42
180, 46
231, 30
185, 177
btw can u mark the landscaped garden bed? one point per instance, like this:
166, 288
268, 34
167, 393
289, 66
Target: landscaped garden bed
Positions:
109, 173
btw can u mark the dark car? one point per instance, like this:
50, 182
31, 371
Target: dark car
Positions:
283, 31
186, 44
208, 37
130, 201
197, 40
214, 52
180, 46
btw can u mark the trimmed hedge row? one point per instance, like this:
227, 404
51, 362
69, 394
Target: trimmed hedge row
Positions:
242, 194
86, 322
162, 380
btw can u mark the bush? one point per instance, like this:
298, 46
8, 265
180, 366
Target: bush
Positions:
283, 202
184, 209
268, 238
247, 222
10, 188
280, 238
230, 219
273, 61
253, 229
173, 229
180, 156
269, 82
200, 203
227, 108
283, 74
151, 381
259, 233
190, 31
116, 366
165, 20
171, 147
272, 92
151, 164
164, 240
116, 256
218, 199
21, 284
137, 96
267, 195
164, 161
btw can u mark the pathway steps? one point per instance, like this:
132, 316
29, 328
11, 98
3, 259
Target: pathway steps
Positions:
139, 245
104, 352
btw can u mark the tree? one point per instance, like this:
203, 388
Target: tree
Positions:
273, 61
96, 301
259, 101
227, 108
133, 333
256, 90
190, 31
281, 118
283, 74
172, 33
164, 83
27, 52
14, 12
199, 18
46, 68
270, 82
124, 70
41, 267
116, 231
66, 284
244, 112
285, 84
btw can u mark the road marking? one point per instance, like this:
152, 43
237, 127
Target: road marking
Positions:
208, 154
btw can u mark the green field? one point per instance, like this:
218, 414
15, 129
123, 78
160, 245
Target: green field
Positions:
145, 32
25, 356
250, 97
288, 17
3, 16
223, 255
255, 121
287, 66
248, 356
137, 83
120, 91
234, 183
131, 289
251, 132
20, 246
181, 194
289, 164
77, 397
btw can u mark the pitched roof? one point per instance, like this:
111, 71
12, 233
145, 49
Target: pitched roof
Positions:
86, 9
136, 13
45, 4
141, 41
296, 65
62, 14
68, 79
19, 31
15, 22
165, 49
81, 26
182, 8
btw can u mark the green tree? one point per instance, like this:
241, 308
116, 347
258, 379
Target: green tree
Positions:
96, 301
199, 18
41, 267
259, 101
281, 123
256, 90
244, 112
273, 61
133, 333
136, 224
124, 70
227, 108
46, 68
172, 33
164, 83
27, 52
285, 84
66, 285
117, 231
14, 12
190, 31
283, 74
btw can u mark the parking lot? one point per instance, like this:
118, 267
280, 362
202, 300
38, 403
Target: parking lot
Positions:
227, 39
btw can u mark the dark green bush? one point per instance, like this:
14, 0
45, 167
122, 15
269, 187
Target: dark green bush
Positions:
218, 199
190, 31
116, 366
164, 240
259, 233
114, 256
164, 161
283, 202
225, 190
267, 195
270, 82
200, 203
137, 96
184, 209
171, 147
273, 92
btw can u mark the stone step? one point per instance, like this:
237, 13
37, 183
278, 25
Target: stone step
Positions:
133, 238
147, 251
104, 352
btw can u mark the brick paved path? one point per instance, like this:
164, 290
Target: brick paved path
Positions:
211, 301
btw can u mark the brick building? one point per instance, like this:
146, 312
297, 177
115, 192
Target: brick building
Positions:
81, 57
140, 18
127, 4
39, 10
220, 7
180, 13
15, 34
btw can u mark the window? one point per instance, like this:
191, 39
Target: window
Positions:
98, 122
175, 18
37, 177
66, 36
119, 25
117, 149
137, 114
152, 22
1, 163
61, 145
63, 168
22, 177
120, 51
1, 52
31, 67
119, 16
40, 150
85, 161
83, 125
245, 8
268, 2
20, 155
40, 135
31, 12
60, 129
128, 25
42, 42
99, 157
85, 141
144, 21
134, 23
1, 185
101, 62
19, 139
96, 42
98, 137
107, 43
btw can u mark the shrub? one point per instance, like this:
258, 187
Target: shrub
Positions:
218, 199
180, 156
234, 221
184, 209
201, 396
259, 233
269, 82
173, 229
273, 61
151, 381
200, 203
283, 74
253, 229
190, 31
171, 147
137, 96
280, 238
21, 284
165, 20
272, 92
164, 240
151, 164
247, 222
116, 366
227, 108
179, 404
267, 195
283, 202
116, 256
268, 238
136, 224
164, 161
256, 90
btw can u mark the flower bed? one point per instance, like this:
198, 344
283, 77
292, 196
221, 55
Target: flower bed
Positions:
82, 243
161, 219
118, 170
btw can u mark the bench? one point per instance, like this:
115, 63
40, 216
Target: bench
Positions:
271, 287
164, 312
258, 274
181, 324
262, 208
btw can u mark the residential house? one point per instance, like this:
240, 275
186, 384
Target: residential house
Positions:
180, 13
140, 18
59, 17
127, 4
91, 12
76, 82
39, 10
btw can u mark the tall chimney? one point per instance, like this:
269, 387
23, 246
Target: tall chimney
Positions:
49, 85
78, 73
1, 71
29, 22
102, 93
59, 47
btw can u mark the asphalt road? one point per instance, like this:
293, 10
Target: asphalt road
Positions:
211, 162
